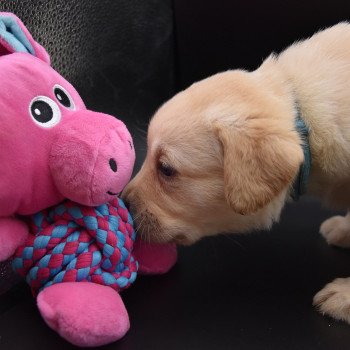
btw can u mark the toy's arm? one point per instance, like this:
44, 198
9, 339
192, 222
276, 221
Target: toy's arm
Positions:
154, 258
13, 233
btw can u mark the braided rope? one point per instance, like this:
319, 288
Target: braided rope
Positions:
73, 243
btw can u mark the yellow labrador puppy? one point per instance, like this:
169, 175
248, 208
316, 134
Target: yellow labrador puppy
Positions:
225, 154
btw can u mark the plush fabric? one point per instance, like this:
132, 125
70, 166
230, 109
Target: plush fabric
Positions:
154, 258
86, 314
52, 149
67, 157
10, 242
15, 37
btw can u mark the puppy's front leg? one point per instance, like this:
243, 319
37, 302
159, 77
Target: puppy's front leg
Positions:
336, 230
334, 299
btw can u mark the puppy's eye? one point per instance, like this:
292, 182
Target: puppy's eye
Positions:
166, 170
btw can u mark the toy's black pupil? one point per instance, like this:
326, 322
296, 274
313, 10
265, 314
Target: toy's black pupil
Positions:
62, 97
41, 111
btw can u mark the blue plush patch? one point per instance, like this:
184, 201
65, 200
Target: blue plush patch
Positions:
11, 32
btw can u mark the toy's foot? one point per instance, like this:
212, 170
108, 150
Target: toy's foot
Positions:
84, 313
155, 258
13, 233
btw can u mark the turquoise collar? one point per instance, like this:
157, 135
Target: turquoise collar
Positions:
300, 183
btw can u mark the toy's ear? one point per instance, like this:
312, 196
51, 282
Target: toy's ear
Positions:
260, 159
14, 37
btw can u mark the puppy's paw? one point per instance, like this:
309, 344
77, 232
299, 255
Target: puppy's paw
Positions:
334, 299
336, 231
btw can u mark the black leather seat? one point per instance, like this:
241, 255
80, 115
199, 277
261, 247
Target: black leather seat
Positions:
229, 292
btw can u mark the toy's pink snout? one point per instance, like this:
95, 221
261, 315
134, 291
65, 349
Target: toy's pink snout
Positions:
93, 157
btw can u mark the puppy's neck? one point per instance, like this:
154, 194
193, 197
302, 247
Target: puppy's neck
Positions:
326, 117
282, 88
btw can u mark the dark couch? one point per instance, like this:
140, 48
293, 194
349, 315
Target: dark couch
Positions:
230, 292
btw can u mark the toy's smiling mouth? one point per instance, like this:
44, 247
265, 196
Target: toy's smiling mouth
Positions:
113, 193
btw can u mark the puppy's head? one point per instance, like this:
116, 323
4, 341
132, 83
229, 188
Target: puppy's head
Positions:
221, 157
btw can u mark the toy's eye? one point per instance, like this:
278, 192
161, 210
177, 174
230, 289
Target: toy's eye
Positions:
63, 97
44, 111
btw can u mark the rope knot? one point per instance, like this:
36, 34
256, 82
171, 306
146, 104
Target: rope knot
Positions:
74, 243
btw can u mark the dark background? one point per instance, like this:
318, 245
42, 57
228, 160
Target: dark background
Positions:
231, 292
213, 36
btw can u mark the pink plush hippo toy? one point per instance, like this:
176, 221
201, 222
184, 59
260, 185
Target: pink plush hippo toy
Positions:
51, 149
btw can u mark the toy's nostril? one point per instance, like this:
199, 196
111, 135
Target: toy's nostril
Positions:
113, 164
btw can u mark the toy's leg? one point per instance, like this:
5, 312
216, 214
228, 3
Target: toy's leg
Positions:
13, 233
154, 258
84, 313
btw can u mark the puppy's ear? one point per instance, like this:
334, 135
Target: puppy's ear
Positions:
261, 157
